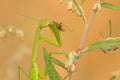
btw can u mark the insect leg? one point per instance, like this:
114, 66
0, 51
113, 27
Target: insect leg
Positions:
21, 69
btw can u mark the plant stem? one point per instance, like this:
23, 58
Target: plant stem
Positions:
87, 28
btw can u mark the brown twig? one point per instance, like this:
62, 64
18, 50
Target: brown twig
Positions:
87, 28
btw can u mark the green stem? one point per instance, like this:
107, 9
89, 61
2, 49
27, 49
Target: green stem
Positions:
35, 47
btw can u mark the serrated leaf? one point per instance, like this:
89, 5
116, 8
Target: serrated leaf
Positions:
103, 44
110, 6
110, 28
53, 74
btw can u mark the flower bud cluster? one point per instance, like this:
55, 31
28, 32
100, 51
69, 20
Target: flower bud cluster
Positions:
97, 6
70, 62
70, 6
2, 32
12, 30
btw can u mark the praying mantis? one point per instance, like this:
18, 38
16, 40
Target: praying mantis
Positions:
34, 73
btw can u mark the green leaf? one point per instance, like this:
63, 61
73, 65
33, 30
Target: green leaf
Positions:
110, 28
103, 44
113, 77
111, 6
53, 74
77, 57
83, 1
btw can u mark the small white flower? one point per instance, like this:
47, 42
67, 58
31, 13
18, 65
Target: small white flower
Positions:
97, 6
69, 5
2, 32
12, 29
72, 55
69, 63
73, 67
19, 33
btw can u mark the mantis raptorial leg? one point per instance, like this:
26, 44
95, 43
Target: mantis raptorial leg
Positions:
34, 72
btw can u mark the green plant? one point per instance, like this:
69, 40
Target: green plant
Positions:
106, 44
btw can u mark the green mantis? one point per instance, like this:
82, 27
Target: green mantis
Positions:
34, 73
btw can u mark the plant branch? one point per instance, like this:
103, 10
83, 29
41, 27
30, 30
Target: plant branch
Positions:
87, 28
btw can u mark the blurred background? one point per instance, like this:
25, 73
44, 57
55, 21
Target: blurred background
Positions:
14, 52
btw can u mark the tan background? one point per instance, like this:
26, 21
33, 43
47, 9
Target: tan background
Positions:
92, 66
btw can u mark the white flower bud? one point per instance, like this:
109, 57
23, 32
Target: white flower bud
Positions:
69, 5
67, 63
2, 32
11, 29
97, 6
73, 67
19, 33
72, 55
70, 62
